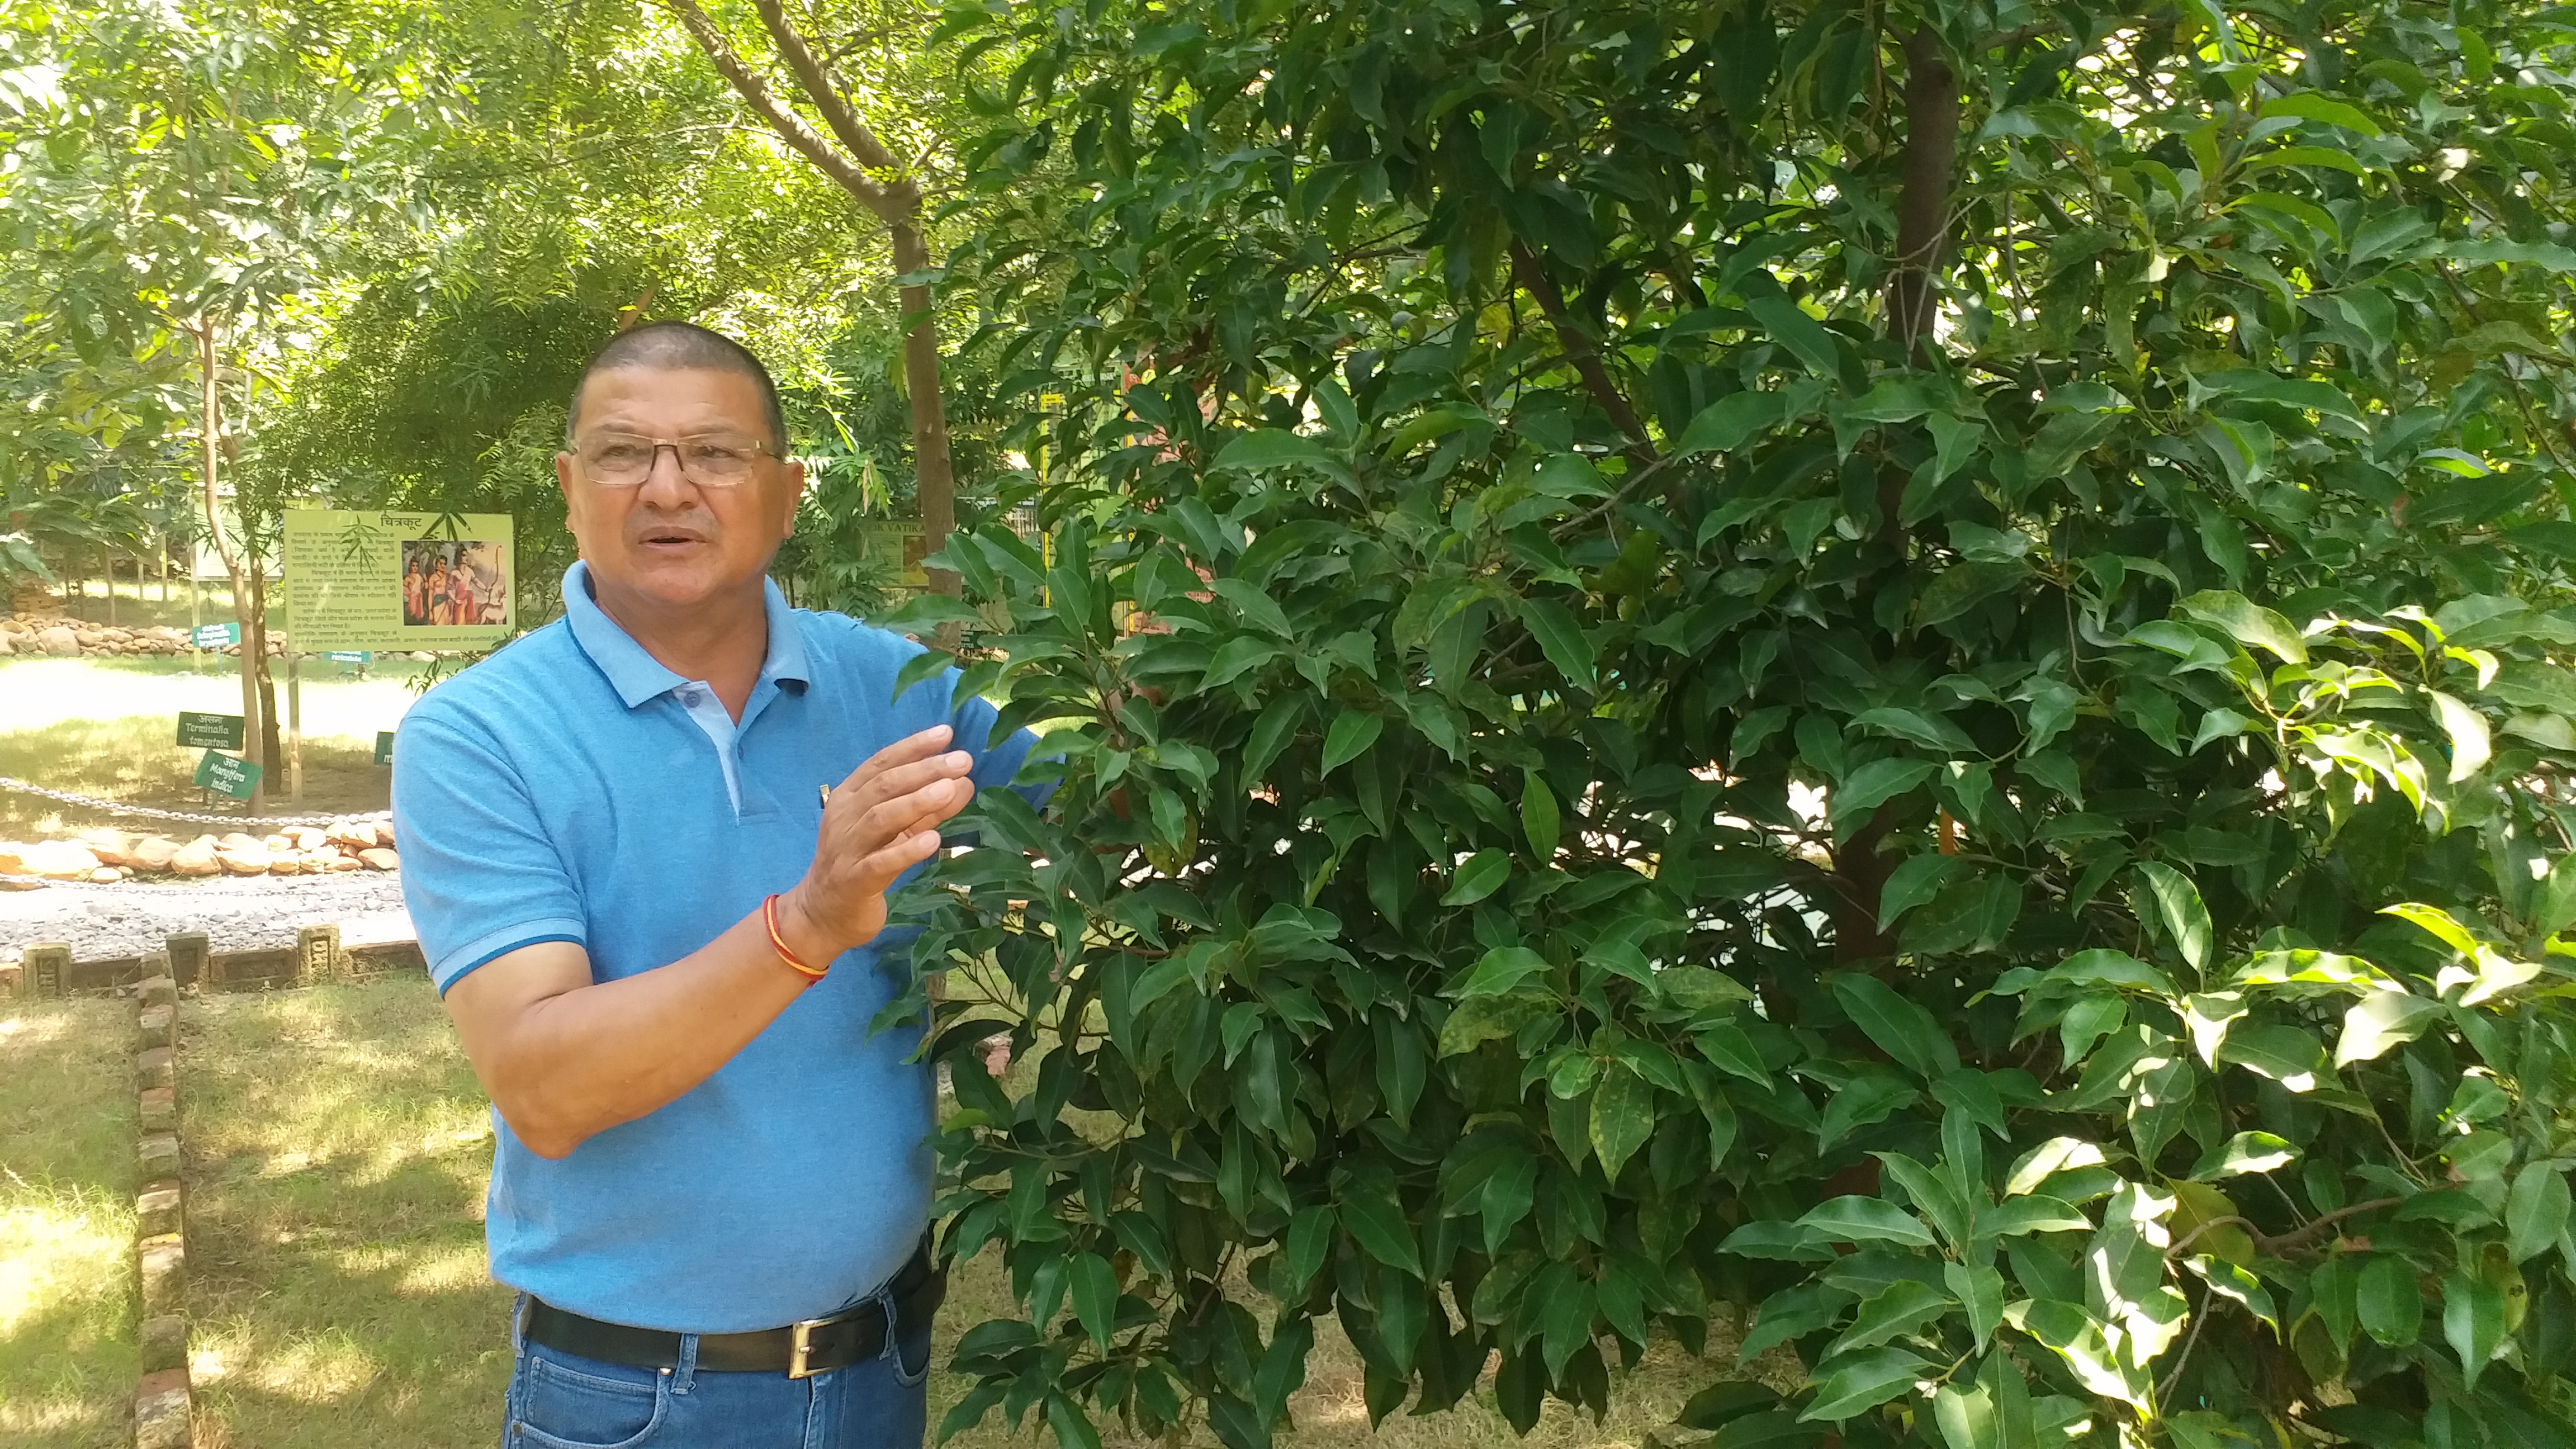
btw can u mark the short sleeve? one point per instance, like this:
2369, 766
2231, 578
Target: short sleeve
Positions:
478, 873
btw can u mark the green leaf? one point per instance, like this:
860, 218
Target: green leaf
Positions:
1095, 1295
1353, 731
2285, 1054
1870, 1097
1561, 638
1268, 448
1270, 734
2472, 1322
2244, 1152
1856, 1219
2248, 623
1727, 1048
2381, 1020
1499, 971
1072, 1427
2179, 910
1806, 338
1539, 818
2468, 732
2436, 922
1903, 1030
1893, 1311
1478, 876
1872, 785
2030, 1213
1864, 1381
1980, 1290
2056, 1155
2535, 1211
2389, 1301
1374, 1217
1309, 1243
1480, 1019
1724, 425
1917, 879
2310, 106
1623, 1117
2556, 908
1966, 1416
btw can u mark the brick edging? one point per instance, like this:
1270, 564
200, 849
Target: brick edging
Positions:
163, 1405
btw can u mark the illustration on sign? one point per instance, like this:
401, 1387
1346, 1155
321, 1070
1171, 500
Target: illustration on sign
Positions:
375, 581
227, 776
447, 582
210, 731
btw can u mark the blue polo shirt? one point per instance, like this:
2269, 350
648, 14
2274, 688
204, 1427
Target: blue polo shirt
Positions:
571, 788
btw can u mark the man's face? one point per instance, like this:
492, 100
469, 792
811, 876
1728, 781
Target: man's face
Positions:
668, 541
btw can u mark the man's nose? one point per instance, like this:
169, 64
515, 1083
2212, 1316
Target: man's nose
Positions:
664, 485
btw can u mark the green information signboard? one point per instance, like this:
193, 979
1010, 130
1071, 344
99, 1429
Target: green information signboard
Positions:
214, 636
384, 747
210, 731
227, 776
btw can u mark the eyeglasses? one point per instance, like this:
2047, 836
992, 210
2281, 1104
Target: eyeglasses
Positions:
625, 460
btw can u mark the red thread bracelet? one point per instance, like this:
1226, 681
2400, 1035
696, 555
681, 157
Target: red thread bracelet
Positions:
778, 943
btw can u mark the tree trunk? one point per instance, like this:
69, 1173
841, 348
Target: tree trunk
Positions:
934, 479
210, 419
272, 755
1922, 227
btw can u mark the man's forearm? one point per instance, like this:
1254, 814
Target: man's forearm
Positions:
567, 1063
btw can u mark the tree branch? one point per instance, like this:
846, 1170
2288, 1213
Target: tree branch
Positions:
1586, 358
781, 117
827, 98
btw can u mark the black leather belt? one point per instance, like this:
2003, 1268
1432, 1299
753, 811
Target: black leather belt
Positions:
800, 1350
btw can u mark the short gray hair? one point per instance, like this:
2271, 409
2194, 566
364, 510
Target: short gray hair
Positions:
682, 346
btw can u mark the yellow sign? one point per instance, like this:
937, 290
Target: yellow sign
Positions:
394, 581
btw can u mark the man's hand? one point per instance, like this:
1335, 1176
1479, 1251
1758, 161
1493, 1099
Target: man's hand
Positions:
879, 823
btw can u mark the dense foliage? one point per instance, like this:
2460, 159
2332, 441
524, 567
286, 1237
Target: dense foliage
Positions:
1893, 664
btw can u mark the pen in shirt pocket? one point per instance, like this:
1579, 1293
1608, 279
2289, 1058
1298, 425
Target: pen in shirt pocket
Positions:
827, 796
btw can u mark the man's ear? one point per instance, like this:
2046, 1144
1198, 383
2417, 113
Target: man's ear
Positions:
795, 494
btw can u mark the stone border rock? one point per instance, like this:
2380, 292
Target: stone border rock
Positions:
106, 856
163, 1404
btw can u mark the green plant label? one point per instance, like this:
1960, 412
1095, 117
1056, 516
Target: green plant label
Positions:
384, 747
227, 776
349, 656
215, 636
210, 731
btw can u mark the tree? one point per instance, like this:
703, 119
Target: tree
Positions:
1896, 664
859, 162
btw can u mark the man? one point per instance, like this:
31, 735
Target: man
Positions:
660, 943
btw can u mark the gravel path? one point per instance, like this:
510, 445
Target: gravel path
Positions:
239, 913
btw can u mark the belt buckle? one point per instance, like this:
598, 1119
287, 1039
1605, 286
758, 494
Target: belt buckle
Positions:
800, 1346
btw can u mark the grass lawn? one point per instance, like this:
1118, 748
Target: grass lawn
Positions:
103, 727
67, 1180
338, 1154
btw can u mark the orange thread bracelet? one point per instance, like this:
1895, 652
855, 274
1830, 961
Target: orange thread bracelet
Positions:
778, 943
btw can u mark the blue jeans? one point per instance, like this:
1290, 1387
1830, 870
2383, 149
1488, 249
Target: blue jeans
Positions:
563, 1401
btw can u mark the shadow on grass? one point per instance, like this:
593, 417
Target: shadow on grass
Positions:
67, 1180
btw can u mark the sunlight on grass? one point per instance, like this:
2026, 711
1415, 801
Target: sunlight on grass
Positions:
67, 1180
104, 728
